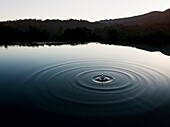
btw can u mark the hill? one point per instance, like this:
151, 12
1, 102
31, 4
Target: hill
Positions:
154, 17
148, 30
51, 26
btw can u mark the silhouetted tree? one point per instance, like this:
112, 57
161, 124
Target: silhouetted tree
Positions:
9, 34
77, 34
111, 36
158, 39
36, 35
59, 36
155, 35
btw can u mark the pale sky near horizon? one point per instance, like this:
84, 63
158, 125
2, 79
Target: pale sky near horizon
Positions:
91, 10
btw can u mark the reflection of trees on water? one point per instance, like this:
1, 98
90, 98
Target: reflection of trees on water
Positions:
164, 50
154, 36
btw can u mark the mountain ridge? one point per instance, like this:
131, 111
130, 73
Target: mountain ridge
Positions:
148, 18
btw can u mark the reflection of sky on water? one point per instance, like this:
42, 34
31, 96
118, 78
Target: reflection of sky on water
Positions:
56, 76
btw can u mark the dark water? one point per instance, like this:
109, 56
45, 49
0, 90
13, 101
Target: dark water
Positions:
84, 85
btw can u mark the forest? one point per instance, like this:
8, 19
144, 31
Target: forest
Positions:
74, 31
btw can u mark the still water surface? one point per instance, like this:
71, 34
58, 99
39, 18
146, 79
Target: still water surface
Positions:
83, 82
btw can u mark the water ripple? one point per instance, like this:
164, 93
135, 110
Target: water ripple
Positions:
69, 88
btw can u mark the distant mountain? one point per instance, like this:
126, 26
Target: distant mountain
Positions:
145, 19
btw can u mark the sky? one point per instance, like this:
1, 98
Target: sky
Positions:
91, 10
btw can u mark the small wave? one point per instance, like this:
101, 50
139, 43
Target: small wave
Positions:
69, 88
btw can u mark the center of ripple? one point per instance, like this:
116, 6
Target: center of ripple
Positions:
104, 79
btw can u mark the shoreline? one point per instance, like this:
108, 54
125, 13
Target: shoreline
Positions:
163, 50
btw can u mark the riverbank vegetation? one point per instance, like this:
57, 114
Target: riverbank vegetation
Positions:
152, 35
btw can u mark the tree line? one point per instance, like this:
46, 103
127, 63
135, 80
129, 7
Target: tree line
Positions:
120, 35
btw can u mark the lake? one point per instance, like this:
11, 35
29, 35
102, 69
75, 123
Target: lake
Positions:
83, 85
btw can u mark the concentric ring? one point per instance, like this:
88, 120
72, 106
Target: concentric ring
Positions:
72, 88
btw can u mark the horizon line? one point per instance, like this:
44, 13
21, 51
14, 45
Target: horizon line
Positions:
44, 19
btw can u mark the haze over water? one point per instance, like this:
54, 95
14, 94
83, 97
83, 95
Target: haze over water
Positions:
62, 81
